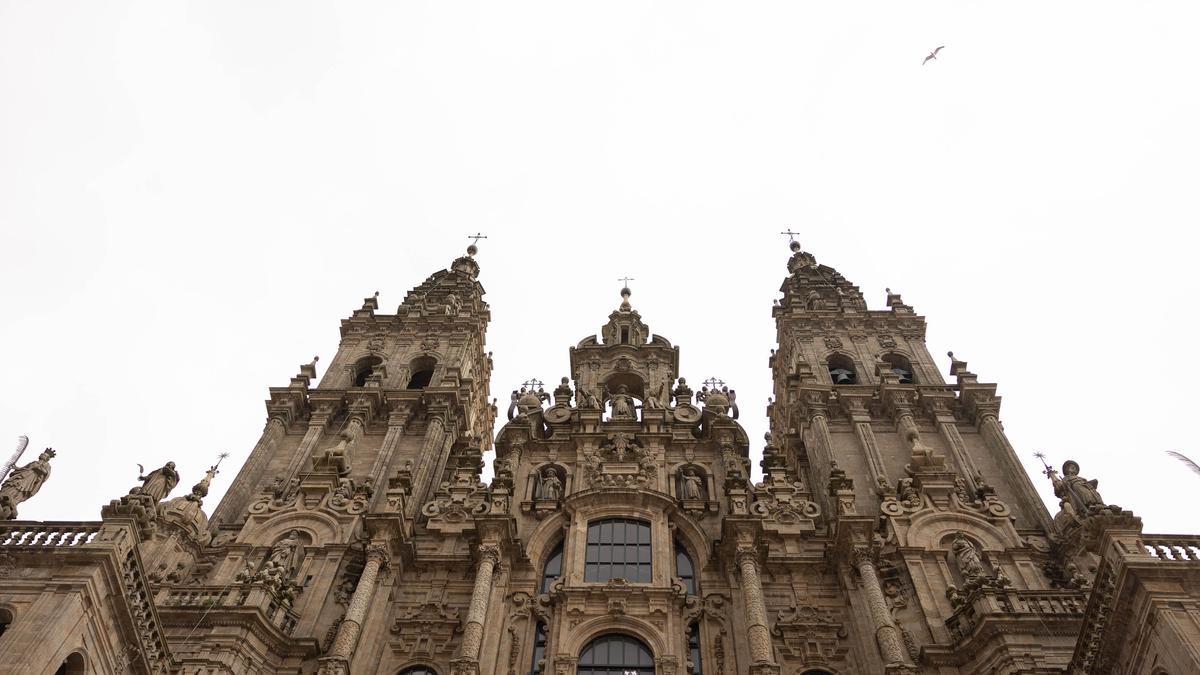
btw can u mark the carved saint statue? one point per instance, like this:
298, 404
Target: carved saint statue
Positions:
453, 305
693, 485
282, 558
24, 483
969, 561
550, 486
654, 400
623, 405
158, 483
584, 399
1076, 490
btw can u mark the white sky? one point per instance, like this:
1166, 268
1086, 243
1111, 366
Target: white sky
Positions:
192, 196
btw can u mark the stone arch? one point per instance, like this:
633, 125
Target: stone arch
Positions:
7, 616
421, 371
897, 359
317, 525
418, 668
929, 530
573, 641
838, 361
76, 662
692, 536
542, 540
362, 367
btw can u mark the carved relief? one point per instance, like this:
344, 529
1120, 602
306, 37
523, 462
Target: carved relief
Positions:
428, 630
620, 462
810, 635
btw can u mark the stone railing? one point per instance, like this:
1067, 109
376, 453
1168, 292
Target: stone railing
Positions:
1007, 604
1172, 547
212, 598
48, 533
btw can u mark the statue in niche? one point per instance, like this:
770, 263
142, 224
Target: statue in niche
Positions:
24, 483
158, 483
1079, 492
693, 484
550, 487
280, 565
654, 400
970, 563
623, 405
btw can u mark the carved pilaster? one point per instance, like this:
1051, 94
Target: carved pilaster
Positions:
435, 433
397, 420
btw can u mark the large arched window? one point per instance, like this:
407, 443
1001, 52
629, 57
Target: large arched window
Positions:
552, 569
684, 569
618, 548
615, 655
418, 670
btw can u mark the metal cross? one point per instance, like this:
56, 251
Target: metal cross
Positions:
714, 383
532, 383
1049, 469
626, 280
791, 235
476, 237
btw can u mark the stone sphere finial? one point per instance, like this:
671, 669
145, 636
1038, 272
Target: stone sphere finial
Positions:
625, 292
472, 249
795, 245
950, 354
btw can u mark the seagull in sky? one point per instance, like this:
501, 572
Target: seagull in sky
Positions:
933, 54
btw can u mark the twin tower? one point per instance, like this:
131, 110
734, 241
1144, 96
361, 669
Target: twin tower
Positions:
893, 531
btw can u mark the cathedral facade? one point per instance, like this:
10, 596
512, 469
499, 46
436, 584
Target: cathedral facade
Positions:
893, 529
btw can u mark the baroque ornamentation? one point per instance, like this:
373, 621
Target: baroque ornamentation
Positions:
620, 462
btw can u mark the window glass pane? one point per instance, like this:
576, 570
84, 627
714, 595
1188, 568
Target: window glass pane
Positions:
618, 548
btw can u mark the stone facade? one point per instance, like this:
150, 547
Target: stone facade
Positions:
893, 531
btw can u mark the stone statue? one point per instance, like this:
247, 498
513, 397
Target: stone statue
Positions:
550, 486
1077, 491
562, 393
693, 485
281, 561
969, 561
453, 305
654, 400
158, 483
24, 483
584, 399
623, 405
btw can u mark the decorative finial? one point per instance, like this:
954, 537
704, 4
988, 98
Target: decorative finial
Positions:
792, 238
473, 249
888, 291
1049, 469
315, 359
377, 294
950, 354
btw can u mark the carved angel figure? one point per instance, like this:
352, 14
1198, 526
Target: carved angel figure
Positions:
158, 483
24, 483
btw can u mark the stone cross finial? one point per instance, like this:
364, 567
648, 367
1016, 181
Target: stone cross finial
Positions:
791, 235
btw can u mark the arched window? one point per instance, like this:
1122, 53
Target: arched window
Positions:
6, 619
418, 670
363, 368
694, 649
539, 647
552, 569
422, 372
841, 370
618, 548
901, 367
684, 569
73, 664
615, 655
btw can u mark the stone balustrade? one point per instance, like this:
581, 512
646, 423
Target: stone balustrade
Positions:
1172, 547
1007, 604
213, 598
29, 534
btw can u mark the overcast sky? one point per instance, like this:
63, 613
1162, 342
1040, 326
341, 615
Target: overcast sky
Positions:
193, 195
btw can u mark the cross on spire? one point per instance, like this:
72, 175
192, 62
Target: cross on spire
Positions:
476, 237
625, 280
791, 235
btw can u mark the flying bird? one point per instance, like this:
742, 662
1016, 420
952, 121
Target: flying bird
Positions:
933, 54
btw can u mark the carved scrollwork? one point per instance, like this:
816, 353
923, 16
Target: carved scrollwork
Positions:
621, 462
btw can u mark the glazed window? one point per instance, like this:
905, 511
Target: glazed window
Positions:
618, 548
539, 647
684, 569
694, 649
615, 655
552, 569
418, 670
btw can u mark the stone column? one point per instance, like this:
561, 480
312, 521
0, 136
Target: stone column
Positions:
993, 433
238, 495
887, 634
316, 429
866, 438
756, 612
426, 459
347, 636
820, 452
489, 557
